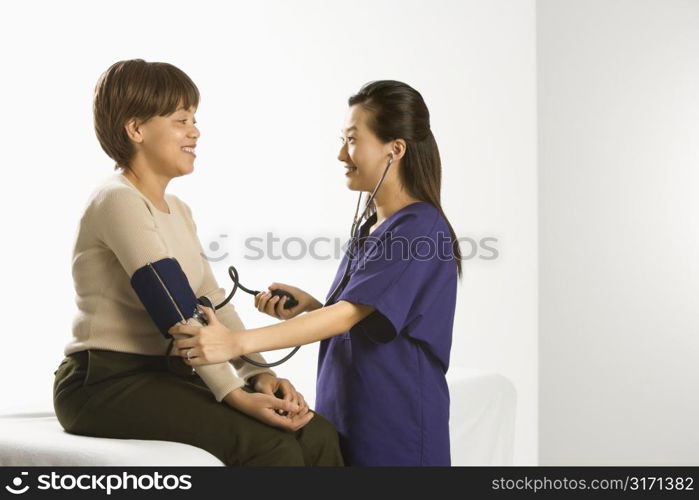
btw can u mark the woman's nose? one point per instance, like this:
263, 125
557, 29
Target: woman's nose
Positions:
342, 155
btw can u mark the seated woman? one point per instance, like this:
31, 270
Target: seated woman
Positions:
120, 379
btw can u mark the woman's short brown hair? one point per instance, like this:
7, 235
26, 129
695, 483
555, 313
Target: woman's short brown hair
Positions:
137, 89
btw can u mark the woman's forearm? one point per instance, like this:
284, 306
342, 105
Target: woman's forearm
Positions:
305, 329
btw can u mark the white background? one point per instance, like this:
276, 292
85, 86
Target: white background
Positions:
613, 85
619, 231
275, 78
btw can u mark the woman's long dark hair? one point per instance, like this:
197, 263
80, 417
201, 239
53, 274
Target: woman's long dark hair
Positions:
398, 111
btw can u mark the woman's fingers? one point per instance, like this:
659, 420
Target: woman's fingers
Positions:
282, 404
290, 395
279, 310
285, 313
301, 420
262, 301
288, 391
267, 409
209, 314
266, 303
302, 403
271, 306
184, 329
295, 419
304, 410
277, 420
189, 352
186, 343
192, 356
290, 423
303, 407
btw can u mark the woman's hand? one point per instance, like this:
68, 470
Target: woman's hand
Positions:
212, 343
264, 407
267, 383
274, 306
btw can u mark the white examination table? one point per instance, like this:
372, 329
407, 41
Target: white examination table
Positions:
481, 426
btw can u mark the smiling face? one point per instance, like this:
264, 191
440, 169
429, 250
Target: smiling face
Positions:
167, 143
363, 154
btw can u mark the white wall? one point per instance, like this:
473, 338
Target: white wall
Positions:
619, 231
275, 77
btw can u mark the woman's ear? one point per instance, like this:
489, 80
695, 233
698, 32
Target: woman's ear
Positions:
398, 149
133, 130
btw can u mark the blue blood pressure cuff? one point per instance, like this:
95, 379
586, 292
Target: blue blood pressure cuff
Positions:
166, 294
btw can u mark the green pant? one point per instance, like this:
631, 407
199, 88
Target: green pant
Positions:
133, 396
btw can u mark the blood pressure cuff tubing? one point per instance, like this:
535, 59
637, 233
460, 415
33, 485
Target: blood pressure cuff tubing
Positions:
165, 292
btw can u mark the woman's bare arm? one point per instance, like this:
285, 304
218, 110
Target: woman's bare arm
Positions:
215, 343
305, 329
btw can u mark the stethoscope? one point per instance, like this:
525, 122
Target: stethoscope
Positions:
291, 300
354, 233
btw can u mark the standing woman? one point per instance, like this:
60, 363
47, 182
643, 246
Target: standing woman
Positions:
137, 263
386, 329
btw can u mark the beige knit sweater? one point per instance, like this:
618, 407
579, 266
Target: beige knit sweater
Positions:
121, 231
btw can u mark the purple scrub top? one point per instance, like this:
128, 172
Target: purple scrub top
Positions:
383, 383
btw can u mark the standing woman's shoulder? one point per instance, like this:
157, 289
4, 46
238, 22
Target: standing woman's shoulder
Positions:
415, 220
426, 230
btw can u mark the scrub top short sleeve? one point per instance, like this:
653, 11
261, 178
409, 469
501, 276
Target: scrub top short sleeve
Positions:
393, 273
